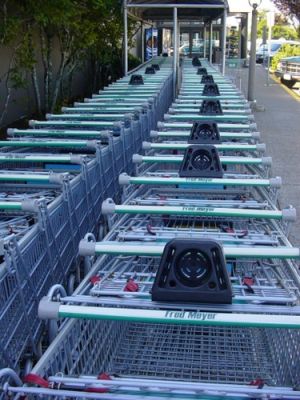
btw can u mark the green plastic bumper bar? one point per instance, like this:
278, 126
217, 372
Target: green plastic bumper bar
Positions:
56, 133
221, 125
114, 104
195, 111
87, 248
88, 144
41, 178
64, 158
223, 135
198, 117
225, 160
85, 117
201, 97
109, 207
96, 110
54, 310
125, 179
260, 147
86, 124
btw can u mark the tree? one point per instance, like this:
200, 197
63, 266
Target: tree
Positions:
261, 23
281, 29
289, 7
84, 32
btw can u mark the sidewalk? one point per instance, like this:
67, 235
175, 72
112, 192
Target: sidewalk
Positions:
279, 125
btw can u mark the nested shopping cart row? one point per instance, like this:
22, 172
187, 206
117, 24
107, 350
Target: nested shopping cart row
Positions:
53, 178
194, 292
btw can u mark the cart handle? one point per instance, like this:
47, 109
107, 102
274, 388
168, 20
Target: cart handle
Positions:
140, 249
125, 179
55, 310
109, 207
260, 147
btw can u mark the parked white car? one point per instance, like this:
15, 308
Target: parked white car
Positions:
263, 51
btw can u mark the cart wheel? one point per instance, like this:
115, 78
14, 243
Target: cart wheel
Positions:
71, 284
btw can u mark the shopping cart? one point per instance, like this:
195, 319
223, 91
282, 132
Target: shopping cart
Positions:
117, 340
162, 349
47, 252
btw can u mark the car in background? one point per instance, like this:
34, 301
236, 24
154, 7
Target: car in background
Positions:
262, 52
197, 50
288, 70
184, 50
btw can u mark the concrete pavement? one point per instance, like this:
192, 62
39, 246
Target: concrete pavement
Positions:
279, 125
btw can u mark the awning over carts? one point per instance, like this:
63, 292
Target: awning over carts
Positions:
157, 10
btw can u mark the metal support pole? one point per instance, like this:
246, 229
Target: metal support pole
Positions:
252, 62
178, 45
271, 18
210, 41
204, 41
125, 40
224, 41
152, 41
190, 44
175, 50
178, 58
143, 42
244, 35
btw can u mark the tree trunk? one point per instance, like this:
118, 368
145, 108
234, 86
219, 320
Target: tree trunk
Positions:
58, 82
46, 44
5, 108
36, 90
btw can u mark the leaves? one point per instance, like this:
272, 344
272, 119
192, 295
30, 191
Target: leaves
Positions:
289, 7
281, 29
84, 29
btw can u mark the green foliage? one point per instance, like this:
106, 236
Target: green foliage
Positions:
86, 30
261, 23
284, 31
285, 51
133, 62
280, 30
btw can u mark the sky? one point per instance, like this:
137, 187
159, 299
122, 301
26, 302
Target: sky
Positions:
243, 5
268, 5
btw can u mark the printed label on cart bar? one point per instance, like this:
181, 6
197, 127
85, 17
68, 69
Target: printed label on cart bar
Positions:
198, 179
198, 209
195, 315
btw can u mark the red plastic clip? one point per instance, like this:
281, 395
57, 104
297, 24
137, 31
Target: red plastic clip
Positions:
36, 380
248, 281
258, 382
95, 279
131, 286
104, 377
